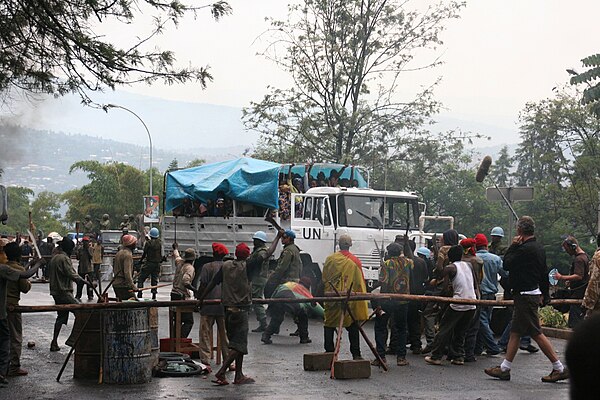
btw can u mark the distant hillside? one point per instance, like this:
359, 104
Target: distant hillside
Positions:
40, 160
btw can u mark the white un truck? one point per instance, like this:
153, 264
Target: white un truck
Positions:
373, 218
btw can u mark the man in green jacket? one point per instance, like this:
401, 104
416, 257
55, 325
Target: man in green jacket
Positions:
289, 264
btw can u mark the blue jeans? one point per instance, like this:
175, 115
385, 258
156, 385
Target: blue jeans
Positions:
503, 342
399, 313
485, 337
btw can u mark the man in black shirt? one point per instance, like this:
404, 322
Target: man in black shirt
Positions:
525, 261
578, 277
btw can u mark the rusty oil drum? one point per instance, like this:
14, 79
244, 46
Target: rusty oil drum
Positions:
127, 346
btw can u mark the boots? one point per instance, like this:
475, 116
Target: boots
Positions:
261, 327
153, 296
266, 338
140, 295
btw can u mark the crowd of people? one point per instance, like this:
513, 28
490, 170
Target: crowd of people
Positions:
464, 269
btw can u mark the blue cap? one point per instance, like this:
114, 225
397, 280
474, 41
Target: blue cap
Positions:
424, 251
153, 233
290, 233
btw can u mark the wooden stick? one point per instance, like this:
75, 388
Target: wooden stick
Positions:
353, 297
367, 340
73, 347
34, 243
338, 339
151, 287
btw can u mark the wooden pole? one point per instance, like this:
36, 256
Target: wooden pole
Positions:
353, 297
367, 340
338, 339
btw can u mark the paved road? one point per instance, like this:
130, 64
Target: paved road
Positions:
278, 371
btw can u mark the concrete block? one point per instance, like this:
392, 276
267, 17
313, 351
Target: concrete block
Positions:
318, 361
352, 369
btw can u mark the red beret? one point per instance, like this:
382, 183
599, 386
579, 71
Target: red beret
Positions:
220, 249
480, 240
242, 251
468, 245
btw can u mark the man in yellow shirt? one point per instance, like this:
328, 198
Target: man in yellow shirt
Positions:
342, 270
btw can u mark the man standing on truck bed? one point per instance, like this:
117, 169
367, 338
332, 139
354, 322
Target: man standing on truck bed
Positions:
289, 264
153, 256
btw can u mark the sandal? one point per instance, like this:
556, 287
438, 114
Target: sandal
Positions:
244, 381
220, 381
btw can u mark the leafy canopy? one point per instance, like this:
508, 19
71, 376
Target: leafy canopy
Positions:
346, 59
53, 46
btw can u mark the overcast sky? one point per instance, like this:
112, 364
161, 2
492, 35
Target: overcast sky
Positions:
499, 55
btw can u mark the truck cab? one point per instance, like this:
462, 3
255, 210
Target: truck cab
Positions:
372, 218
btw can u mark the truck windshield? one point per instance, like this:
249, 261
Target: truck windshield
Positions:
378, 212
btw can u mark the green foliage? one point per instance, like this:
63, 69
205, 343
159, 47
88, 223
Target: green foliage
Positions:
115, 189
347, 59
591, 94
45, 211
173, 165
196, 162
18, 209
552, 318
501, 173
54, 46
559, 155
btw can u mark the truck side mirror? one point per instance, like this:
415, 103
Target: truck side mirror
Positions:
3, 204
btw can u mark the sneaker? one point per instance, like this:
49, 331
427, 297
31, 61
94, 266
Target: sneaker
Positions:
531, 348
266, 339
433, 361
497, 372
416, 350
470, 359
17, 372
492, 352
305, 341
358, 357
401, 362
54, 347
260, 328
556, 376
458, 361
376, 362
296, 333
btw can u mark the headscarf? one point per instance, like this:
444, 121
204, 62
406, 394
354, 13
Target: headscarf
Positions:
450, 237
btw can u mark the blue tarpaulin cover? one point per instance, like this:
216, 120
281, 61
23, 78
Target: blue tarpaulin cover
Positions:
245, 179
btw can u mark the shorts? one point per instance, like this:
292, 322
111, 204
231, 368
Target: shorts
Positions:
66, 298
236, 324
526, 320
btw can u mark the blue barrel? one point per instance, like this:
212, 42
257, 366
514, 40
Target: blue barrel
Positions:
127, 346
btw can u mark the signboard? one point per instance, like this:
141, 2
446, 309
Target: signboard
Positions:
151, 209
511, 193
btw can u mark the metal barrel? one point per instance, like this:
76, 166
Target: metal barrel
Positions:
88, 347
127, 346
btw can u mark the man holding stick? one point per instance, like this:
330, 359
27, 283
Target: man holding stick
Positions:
62, 275
525, 261
342, 270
